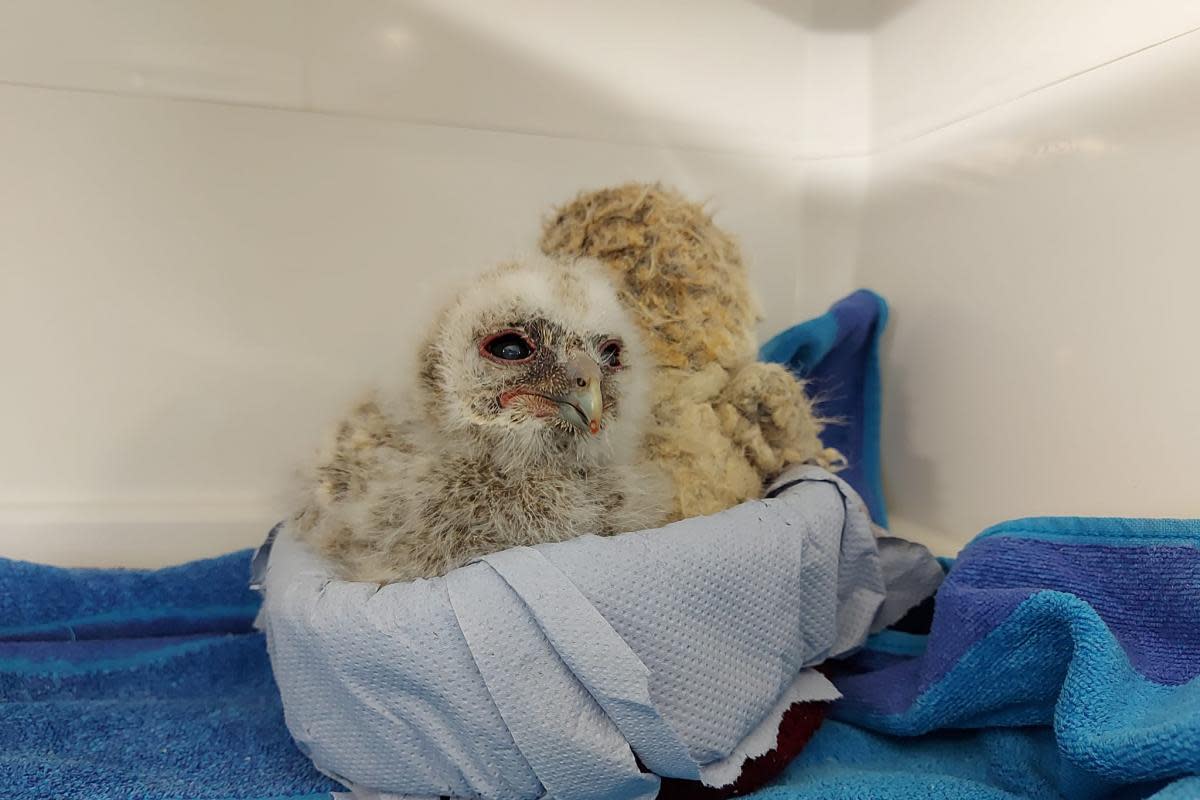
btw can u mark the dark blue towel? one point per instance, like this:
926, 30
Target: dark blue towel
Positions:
140, 684
838, 355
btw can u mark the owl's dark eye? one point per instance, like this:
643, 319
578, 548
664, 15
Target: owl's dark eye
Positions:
507, 346
610, 353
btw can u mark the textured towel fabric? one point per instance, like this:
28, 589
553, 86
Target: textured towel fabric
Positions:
140, 684
40, 603
1063, 661
844, 762
545, 670
838, 355
1104, 704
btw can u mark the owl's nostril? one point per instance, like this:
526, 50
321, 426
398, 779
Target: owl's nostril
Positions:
580, 382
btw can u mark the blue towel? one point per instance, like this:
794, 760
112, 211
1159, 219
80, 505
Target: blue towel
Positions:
1062, 661
140, 684
837, 354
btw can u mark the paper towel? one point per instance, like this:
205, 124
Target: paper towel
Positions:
542, 671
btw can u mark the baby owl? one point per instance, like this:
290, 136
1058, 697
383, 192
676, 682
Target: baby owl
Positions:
523, 425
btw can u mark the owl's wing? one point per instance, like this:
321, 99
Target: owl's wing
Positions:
341, 512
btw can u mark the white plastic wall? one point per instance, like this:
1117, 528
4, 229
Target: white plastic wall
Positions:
221, 219
1031, 216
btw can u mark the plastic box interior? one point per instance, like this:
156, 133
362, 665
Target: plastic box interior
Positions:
221, 220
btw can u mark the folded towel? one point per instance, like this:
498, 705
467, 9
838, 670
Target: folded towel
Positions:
140, 684
1063, 661
837, 355
42, 603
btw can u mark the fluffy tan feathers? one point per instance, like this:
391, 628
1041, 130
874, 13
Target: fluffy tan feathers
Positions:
723, 423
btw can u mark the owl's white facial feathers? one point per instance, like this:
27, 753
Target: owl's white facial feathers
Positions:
575, 308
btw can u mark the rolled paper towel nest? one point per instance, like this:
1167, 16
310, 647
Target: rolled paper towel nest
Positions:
591, 667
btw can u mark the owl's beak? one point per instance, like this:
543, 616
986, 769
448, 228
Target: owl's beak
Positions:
583, 403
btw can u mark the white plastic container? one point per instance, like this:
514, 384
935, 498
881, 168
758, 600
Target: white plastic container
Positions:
221, 220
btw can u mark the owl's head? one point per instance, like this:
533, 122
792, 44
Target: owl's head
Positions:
538, 357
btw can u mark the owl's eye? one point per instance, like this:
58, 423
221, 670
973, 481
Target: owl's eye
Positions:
610, 353
507, 346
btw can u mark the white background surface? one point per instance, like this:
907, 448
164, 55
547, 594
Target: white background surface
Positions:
221, 219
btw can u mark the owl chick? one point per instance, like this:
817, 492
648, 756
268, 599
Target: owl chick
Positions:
523, 425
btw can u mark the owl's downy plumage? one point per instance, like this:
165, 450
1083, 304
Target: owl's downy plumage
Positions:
522, 425
723, 423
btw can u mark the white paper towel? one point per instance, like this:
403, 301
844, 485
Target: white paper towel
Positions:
541, 671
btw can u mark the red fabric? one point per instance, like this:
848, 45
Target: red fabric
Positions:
798, 725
